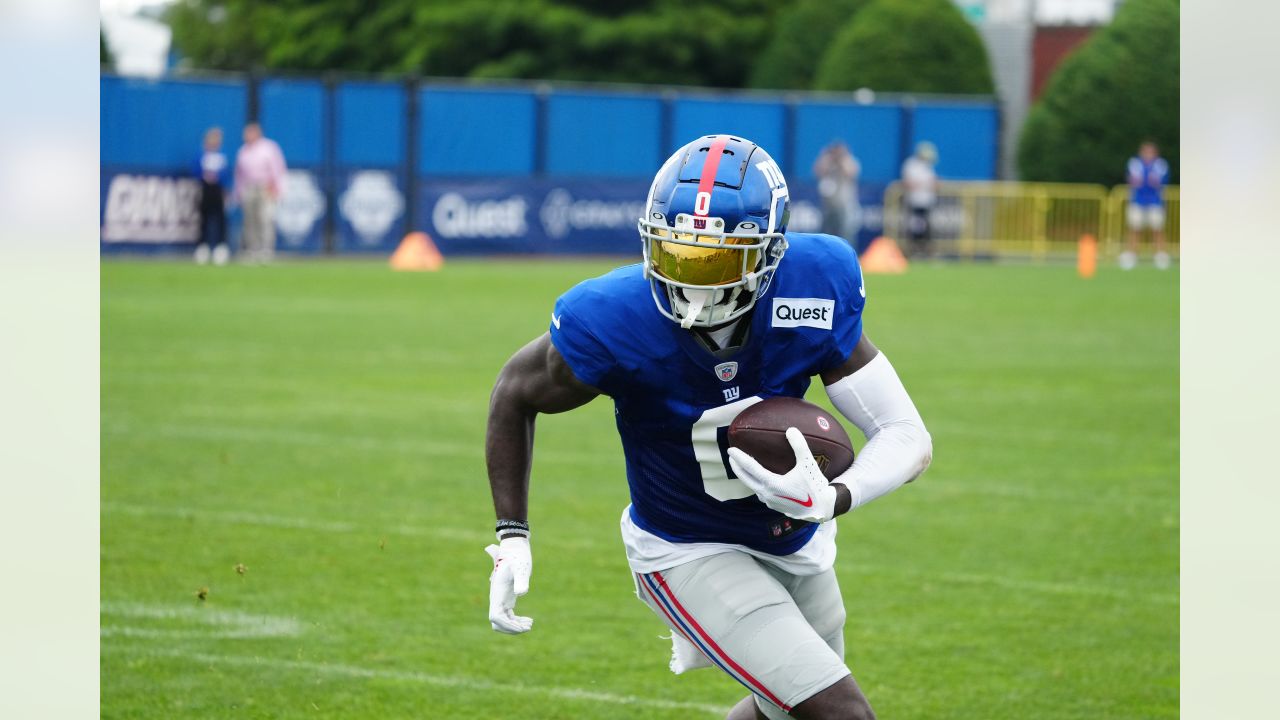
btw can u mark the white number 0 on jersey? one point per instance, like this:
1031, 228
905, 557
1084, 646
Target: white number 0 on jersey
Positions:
708, 437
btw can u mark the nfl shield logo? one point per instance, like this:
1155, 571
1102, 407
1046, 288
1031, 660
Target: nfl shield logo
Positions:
727, 371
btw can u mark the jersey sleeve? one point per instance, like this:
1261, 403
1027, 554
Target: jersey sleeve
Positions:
850, 298
588, 358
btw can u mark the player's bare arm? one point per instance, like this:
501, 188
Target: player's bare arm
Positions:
863, 353
535, 380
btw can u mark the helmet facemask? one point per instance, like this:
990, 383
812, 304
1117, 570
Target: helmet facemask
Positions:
709, 276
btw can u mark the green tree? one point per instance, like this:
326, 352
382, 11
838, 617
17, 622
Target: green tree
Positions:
217, 34
922, 46
803, 33
105, 61
687, 42
1117, 89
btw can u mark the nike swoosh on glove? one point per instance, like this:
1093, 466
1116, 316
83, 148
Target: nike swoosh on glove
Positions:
512, 566
804, 493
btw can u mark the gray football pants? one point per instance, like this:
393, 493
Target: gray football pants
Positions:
780, 635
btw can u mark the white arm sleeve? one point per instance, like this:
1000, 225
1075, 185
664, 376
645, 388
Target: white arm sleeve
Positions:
898, 447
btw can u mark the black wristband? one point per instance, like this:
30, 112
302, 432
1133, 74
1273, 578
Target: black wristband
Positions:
515, 527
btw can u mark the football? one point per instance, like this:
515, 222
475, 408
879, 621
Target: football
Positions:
761, 432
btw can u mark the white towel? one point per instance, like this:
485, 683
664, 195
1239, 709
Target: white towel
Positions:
685, 655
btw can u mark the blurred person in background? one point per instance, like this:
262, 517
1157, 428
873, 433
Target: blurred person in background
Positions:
212, 168
1148, 173
920, 182
837, 171
260, 175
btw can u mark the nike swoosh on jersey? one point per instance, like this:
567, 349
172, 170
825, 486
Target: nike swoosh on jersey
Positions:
555, 320
862, 290
807, 502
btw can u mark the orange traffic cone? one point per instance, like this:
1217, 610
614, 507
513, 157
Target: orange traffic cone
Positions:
1087, 256
883, 256
417, 252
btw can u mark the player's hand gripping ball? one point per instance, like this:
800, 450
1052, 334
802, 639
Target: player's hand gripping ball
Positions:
787, 450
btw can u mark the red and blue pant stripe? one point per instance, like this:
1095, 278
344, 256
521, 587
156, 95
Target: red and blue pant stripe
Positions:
680, 618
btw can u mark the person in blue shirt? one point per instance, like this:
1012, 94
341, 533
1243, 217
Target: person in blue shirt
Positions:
1147, 175
214, 172
726, 309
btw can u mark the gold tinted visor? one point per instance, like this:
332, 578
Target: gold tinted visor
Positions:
696, 259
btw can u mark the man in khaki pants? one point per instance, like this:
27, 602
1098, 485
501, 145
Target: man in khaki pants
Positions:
260, 173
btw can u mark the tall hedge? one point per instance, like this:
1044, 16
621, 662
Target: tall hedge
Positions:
105, 61
1116, 90
680, 42
924, 46
799, 39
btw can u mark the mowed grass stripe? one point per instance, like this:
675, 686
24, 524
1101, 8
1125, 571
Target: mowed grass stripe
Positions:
472, 538
302, 667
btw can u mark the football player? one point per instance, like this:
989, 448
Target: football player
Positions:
726, 309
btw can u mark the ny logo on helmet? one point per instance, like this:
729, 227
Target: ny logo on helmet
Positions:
772, 173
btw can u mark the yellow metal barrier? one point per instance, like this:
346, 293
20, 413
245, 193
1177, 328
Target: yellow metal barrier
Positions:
1118, 227
1036, 221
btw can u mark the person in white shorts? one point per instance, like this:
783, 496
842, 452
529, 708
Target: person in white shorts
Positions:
727, 309
1147, 174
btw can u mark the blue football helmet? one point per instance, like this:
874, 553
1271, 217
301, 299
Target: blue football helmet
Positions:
713, 229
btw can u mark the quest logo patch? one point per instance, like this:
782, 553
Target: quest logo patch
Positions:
803, 312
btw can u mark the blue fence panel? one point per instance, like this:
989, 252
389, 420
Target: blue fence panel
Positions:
967, 136
502, 170
372, 166
873, 133
293, 114
301, 211
371, 210
370, 121
763, 123
603, 135
527, 215
476, 132
159, 124
148, 211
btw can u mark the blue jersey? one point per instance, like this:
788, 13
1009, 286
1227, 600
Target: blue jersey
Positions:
674, 399
1151, 178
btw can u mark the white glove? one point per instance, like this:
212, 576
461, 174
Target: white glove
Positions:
512, 566
803, 494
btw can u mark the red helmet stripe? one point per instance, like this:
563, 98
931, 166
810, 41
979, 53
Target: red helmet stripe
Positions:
709, 170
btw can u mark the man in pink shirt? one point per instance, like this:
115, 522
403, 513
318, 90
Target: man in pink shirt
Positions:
260, 174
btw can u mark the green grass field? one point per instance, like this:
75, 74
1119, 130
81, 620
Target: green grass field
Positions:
321, 424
